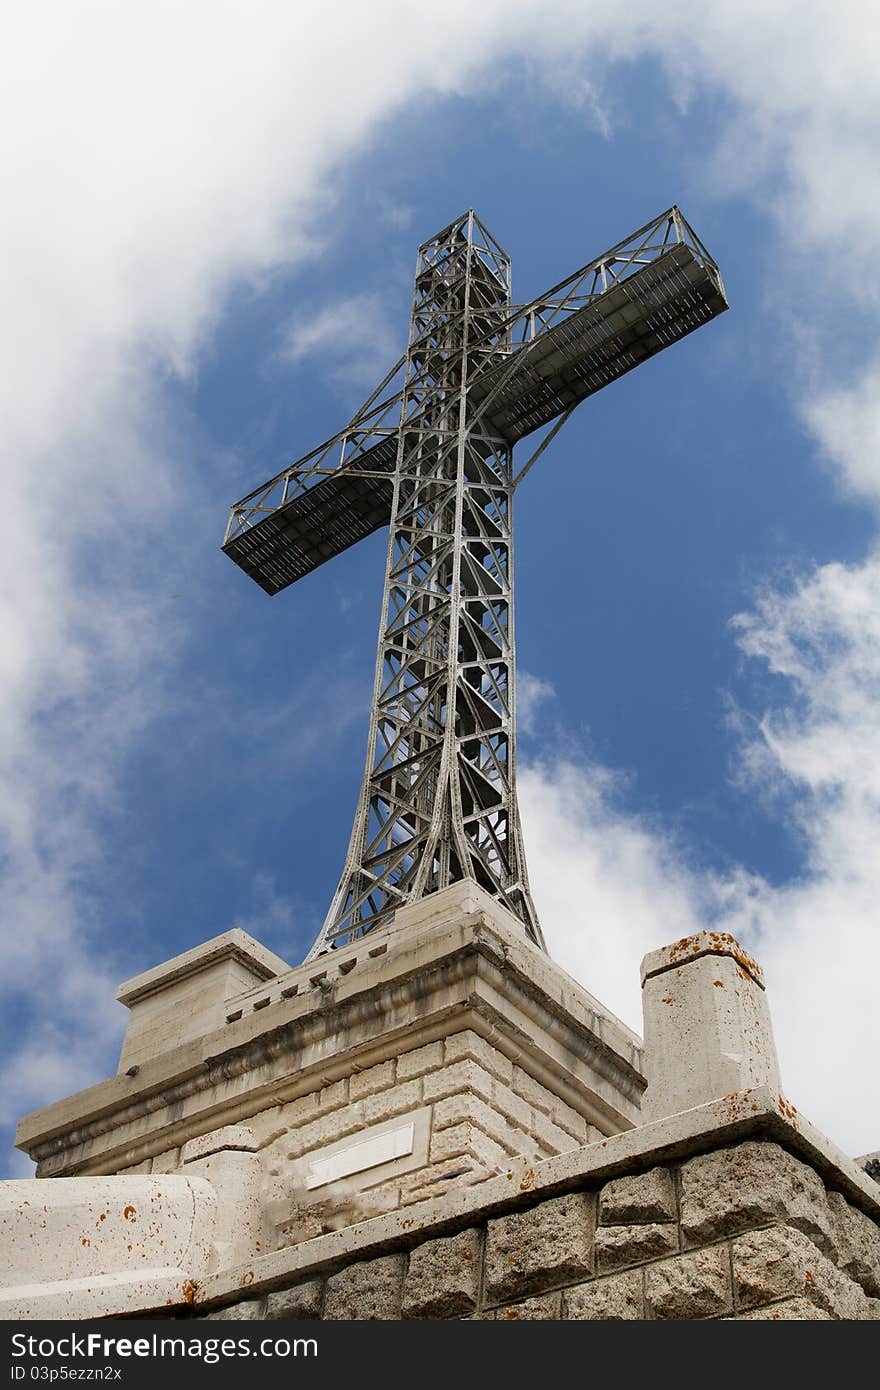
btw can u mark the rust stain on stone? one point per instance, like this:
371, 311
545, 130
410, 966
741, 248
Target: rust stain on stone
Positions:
680, 947
786, 1108
189, 1291
739, 1103
527, 1180
721, 942
130, 1213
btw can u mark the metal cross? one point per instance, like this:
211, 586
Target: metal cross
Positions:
430, 454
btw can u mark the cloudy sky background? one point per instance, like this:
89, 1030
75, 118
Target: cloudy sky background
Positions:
211, 214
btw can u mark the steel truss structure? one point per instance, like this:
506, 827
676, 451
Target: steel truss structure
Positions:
430, 454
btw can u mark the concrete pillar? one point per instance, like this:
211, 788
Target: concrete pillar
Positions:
706, 1024
229, 1161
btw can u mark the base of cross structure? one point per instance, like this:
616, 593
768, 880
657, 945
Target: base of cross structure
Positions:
439, 1122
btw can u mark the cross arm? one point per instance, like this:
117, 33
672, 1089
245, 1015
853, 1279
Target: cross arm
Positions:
628, 304
647, 292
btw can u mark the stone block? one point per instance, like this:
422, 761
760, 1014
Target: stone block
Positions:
249, 1310
184, 998
371, 1290
325, 1130
551, 1138
616, 1299
463, 1108
735, 1189
231, 1137
513, 1107
242, 1230
543, 1308
781, 1263
302, 1301
450, 1144
384, 1105
376, 1200
420, 1060
617, 1246
858, 1243
527, 1251
573, 1123
470, 1046
300, 1111
696, 1285
639, 1197
378, 1078
467, 1140
442, 1280
789, 1310
59, 1237
533, 1092
331, 1097
463, 1076
437, 1178
167, 1162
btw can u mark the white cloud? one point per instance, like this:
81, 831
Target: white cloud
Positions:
397, 214
273, 916
611, 886
846, 421
531, 693
608, 886
157, 155
818, 937
356, 334
823, 638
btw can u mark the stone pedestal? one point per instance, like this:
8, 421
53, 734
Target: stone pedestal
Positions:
707, 1024
438, 1122
421, 1060
78, 1248
184, 998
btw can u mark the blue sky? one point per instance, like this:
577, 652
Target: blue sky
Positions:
210, 266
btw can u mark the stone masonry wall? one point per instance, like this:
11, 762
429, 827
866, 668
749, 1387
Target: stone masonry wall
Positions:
745, 1232
483, 1110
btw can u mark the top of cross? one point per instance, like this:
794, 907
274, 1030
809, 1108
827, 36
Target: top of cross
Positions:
651, 289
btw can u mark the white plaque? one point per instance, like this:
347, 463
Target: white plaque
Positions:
366, 1153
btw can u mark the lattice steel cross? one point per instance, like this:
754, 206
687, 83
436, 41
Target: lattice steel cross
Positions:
431, 455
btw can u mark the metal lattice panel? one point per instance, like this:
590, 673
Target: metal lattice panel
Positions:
602, 342
336, 513
430, 455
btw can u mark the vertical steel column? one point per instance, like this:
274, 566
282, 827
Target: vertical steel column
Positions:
438, 801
